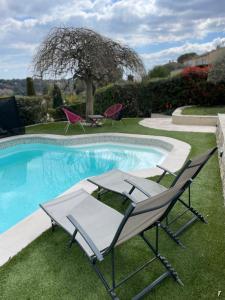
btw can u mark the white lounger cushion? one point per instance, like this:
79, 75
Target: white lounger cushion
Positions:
114, 181
98, 220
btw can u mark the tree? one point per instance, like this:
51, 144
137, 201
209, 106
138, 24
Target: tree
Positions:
163, 71
181, 59
30, 87
84, 54
159, 72
172, 65
130, 78
57, 96
79, 86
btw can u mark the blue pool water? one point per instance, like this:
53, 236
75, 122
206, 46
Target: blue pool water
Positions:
34, 173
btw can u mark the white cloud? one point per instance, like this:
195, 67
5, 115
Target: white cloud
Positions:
28, 47
161, 57
138, 23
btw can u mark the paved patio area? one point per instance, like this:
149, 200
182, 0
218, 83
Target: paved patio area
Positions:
165, 123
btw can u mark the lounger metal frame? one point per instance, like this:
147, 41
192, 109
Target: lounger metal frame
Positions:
188, 205
99, 256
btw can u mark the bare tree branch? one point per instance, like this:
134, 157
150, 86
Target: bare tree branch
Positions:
85, 54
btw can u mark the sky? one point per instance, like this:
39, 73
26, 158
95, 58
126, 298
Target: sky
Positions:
159, 30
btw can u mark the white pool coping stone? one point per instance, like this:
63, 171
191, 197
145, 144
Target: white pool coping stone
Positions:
23, 233
166, 124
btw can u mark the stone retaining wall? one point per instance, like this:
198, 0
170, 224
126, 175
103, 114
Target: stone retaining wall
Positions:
220, 136
178, 118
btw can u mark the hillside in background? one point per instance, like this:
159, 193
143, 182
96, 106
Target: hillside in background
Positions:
10, 87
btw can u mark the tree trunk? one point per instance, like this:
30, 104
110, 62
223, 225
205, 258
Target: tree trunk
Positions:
90, 98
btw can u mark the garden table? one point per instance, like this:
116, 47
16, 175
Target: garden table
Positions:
95, 120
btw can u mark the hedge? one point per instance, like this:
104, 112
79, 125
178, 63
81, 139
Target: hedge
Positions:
38, 109
142, 98
58, 115
139, 99
32, 109
134, 96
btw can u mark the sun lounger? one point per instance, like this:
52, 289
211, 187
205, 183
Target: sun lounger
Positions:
140, 188
99, 229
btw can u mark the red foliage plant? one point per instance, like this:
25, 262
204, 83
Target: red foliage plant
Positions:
168, 105
200, 72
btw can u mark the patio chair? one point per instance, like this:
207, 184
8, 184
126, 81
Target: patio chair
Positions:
140, 188
72, 118
98, 229
114, 112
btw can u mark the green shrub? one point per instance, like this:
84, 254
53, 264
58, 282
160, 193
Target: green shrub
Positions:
160, 96
159, 72
30, 87
134, 96
78, 108
58, 115
33, 109
57, 96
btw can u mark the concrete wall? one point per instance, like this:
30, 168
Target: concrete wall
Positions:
178, 118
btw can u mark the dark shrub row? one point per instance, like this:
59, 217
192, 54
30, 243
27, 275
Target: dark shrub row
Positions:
159, 96
58, 115
134, 96
32, 109
37, 109
139, 99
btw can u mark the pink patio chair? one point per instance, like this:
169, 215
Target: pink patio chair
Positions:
72, 119
114, 112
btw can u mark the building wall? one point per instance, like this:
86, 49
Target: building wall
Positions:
205, 59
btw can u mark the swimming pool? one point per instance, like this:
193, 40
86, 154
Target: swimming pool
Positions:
34, 173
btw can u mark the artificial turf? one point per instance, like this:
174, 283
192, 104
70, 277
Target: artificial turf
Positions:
48, 269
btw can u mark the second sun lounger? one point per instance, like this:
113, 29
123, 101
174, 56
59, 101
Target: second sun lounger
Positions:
141, 188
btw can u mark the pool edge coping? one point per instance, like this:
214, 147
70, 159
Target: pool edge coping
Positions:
27, 230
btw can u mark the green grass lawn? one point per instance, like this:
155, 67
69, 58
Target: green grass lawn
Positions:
48, 269
202, 110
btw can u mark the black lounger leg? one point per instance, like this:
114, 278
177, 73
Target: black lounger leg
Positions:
72, 238
99, 193
53, 225
194, 211
172, 235
163, 260
110, 291
113, 269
